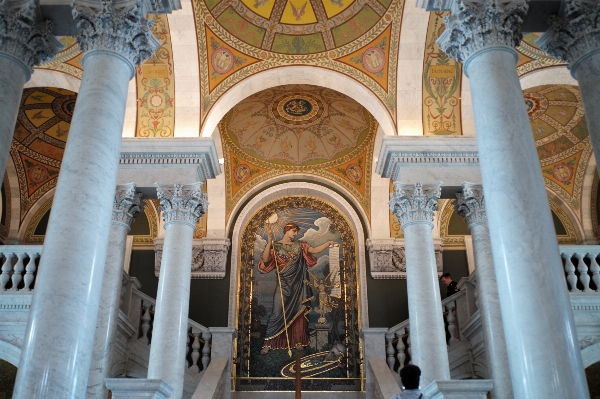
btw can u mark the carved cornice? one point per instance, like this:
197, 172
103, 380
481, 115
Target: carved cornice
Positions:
209, 257
120, 28
388, 261
126, 205
415, 203
23, 38
476, 24
182, 203
575, 33
470, 204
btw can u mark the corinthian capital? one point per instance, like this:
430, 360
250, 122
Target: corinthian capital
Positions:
415, 203
126, 206
470, 204
182, 204
476, 24
24, 39
117, 27
575, 33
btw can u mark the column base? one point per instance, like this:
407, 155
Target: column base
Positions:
458, 389
130, 388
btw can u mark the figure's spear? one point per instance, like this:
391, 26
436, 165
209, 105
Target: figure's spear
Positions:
273, 219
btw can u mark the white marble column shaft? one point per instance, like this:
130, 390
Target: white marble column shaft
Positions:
125, 208
535, 304
182, 207
470, 205
414, 206
23, 44
57, 348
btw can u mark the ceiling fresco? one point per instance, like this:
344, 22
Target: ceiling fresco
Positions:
298, 129
38, 144
240, 38
562, 140
531, 56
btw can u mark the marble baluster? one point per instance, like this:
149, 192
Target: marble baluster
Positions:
126, 207
181, 206
533, 299
414, 206
470, 205
574, 36
57, 347
24, 43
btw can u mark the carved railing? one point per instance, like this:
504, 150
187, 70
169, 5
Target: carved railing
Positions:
198, 340
19, 267
581, 267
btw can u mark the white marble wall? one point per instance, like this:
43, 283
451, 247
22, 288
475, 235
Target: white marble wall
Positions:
380, 195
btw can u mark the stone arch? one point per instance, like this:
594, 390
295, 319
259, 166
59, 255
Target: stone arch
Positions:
591, 355
588, 205
32, 218
303, 189
50, 78
10, 353
298, 74
548, 76
568, 219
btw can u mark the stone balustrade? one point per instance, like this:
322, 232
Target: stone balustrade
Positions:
581, 267
19, 266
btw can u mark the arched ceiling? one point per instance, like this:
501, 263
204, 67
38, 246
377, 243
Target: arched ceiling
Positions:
38, 144
298, 129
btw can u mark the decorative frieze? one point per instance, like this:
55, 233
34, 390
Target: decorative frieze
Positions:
476, 24
575, 33
182, 203
23, 38
387, 259
117, 27
209, 257
415, 203
470, 204
126, 205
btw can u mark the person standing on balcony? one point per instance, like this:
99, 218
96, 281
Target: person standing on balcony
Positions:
410, 376
449, 283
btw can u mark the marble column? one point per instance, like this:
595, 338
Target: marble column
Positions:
574, 36
181, 206
126, 207
57, 348
470, 205
415, 206
535, 304
23, 44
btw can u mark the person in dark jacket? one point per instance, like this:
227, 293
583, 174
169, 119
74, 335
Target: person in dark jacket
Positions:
450, 285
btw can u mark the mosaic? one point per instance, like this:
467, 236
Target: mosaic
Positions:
298, 295
298, 129
531, 56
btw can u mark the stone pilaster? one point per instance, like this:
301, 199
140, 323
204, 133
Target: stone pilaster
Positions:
415, 206
470, 205
479, 24
126, 207
181, 206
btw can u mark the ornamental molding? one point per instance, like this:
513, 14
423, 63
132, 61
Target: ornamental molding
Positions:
399, 153
182, 203
126, 205
209, 257
23, 38
574, 33
470, 204
116, 27
415, 203
387, 258
477, 24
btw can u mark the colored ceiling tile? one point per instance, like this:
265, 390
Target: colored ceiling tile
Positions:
563, 172
442, 79
242, 172
37, 173
373, 58
60, 131
334, 7
38, 116
156, 87
531, 57
298, 12
46, 149
240, 28
306, 44
223, 60
355, 27
68, 60
38, 97
354, 171
260, 7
